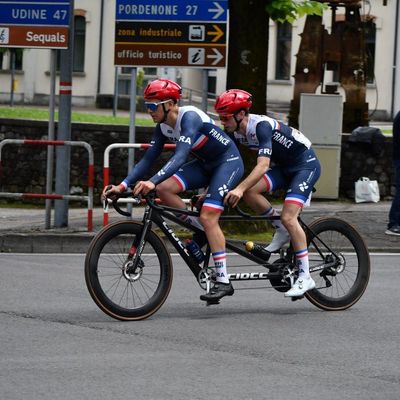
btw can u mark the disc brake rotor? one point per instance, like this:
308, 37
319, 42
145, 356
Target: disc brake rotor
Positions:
131, 274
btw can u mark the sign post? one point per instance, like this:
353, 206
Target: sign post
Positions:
38, 24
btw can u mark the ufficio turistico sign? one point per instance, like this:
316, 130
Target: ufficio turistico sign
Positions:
171, 33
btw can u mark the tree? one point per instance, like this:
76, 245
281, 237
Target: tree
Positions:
248, 41
248, 56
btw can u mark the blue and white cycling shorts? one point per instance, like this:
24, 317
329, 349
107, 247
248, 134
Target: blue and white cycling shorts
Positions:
220, 176
299, 179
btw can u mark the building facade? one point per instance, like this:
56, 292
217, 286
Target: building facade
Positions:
96, 80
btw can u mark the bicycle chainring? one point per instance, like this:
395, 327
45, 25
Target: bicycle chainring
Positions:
206, 274
280, 283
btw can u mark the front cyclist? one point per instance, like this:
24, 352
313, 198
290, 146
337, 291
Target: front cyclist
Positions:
295, 167
218, 165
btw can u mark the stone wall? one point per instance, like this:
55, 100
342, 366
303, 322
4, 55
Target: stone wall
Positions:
358, 159
24, 166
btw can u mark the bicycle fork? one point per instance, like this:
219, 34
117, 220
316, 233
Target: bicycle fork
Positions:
137, 247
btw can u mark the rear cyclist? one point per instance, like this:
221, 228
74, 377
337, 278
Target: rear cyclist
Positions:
295, 167
218, 165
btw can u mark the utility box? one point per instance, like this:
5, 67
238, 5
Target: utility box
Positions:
321, 119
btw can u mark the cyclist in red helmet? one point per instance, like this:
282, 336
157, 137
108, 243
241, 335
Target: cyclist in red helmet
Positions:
295, 168
218, 165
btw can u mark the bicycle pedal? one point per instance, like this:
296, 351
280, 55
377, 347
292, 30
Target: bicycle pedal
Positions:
297, 298
212, 302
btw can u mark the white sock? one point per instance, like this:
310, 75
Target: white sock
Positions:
302, 263
219, 258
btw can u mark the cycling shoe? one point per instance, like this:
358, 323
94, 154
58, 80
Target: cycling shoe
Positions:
217, 292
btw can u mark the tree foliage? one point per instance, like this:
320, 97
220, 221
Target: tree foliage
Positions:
290, 10
248, 41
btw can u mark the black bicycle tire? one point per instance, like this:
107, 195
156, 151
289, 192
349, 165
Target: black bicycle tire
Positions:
327, 303
92, 281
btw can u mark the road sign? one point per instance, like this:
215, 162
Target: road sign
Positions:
34, 23
171, 33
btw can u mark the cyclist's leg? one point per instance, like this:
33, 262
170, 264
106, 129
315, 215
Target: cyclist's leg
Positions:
225, 177
272, 180
189, 176
168, 191
290, 212
209, 218
300, 188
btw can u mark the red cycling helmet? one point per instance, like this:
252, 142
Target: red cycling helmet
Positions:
162, 89
232, 101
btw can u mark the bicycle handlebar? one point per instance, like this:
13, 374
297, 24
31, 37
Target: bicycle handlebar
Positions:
150, 199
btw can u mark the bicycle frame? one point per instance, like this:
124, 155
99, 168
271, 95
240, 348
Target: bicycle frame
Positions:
159, 214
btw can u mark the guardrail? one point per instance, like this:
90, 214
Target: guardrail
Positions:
88, 198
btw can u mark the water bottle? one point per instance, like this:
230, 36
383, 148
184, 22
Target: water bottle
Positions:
258, 251
195, 250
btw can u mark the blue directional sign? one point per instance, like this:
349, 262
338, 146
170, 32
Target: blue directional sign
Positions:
190, 33
54, 12
34, 23
177, 10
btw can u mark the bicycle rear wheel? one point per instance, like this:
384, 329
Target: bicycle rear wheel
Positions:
341, 250
118, 289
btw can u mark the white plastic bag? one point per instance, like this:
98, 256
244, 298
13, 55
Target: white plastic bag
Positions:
366, 191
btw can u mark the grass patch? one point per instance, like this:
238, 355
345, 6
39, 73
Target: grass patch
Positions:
43, 115
19, 204
387, 132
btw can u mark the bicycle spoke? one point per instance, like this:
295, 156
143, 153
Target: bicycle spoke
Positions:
126, 287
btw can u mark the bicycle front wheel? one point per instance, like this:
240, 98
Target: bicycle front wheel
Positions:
336, 246
122, 290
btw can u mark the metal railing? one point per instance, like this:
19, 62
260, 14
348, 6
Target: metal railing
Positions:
88, 198
106, 166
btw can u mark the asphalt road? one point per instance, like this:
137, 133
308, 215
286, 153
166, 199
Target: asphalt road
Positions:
56, 344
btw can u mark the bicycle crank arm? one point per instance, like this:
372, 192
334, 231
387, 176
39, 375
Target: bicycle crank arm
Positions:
323, 266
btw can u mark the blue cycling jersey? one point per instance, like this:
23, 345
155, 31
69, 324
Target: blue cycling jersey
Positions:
273, 139
195, 132
295, 165
218, 165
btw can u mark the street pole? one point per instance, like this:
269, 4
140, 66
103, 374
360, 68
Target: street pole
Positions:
50, 149
132, 122
64, 127
396, 66
12, 56
204, 102
116, 92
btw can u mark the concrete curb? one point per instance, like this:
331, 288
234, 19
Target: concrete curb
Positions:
22, 230
78, 243
44, 243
